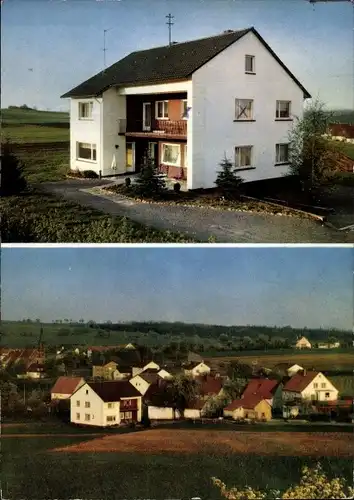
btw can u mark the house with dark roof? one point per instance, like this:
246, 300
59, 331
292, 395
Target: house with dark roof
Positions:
309, 385
196, 369
268, 389
186, 105
105, 403
64, 387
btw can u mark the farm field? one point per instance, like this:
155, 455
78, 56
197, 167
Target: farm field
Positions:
320, 360
162, 464
344, 384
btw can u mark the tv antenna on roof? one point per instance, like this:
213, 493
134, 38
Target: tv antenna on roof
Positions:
170, 24
104, 47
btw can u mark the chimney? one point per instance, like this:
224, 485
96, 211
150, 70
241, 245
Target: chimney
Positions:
304, 372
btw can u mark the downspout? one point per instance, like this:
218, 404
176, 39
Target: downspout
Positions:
101, 135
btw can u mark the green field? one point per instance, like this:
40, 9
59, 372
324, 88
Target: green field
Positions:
32, 116
35, 133
348, 149
30, 469
344, 384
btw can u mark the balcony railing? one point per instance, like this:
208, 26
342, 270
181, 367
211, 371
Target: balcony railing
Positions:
172, 128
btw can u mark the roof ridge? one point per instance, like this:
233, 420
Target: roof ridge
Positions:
194, 40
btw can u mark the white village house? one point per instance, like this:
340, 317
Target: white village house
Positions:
188, 105
309, 386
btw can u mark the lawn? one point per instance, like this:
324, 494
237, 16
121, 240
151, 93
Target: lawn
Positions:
25, 134
44, 218
348, 149
32, 469
32, 116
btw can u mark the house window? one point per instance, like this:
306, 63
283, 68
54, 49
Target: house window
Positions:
85, 110
111, 418
281, 154
185, 109
282, 110
244, 109
86, 151
246, 415
110, 405
171, 154
315, 385
243, 156
249, 64
126, 415
87, 404
78, 416
327, 395
323, 385
162, 110
77, 403
87, 417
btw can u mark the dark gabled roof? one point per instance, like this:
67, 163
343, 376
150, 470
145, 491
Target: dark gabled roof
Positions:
166, 64
110, 392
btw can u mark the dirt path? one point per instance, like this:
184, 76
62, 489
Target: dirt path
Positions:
202, 223
190, 442
55, 434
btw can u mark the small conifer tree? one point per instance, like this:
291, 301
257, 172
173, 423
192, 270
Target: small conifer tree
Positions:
149, 183
227, 180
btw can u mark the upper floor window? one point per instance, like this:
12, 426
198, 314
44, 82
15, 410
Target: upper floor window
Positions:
283, 109
85, 110
162, 110
244, 109
250, 64
87, 404
281, 153
243, 156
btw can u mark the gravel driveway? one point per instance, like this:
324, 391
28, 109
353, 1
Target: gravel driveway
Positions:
201, 223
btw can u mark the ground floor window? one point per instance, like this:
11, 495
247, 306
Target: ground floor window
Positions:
86, 151
281, 153
111, 418
126, 415
171, 154
87, 417
78, 416
243, 156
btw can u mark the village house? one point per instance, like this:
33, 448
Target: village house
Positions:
209, 387
64, 387
187, 105
195, 409
36, 371
105, 403
105, 371
328, 345
151, 365
303, 343
252, 407
267, 389
159, 403
309, 386
287, 369
196, 369
145, 379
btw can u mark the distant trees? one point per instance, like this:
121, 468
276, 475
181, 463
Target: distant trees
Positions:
182, 390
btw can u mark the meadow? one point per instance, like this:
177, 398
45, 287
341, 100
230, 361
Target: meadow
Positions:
52, 467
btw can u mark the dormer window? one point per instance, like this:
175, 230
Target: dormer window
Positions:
250, 64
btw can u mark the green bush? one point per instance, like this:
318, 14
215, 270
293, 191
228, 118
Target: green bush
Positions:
12, 177
228, 181
89, 174
344, 178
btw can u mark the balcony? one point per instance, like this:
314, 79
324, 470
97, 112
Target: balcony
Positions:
163, 129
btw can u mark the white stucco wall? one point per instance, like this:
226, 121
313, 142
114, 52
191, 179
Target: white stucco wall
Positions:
85, 130
114, 109
319, 391
235, 414
140, 384
162, 413
95, 410
191, 413
215, 86
201, 369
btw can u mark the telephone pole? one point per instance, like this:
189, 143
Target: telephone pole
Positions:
104, 47
170, 24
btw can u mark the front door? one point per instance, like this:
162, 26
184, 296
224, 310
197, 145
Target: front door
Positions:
147, 116
130, 157
153, 151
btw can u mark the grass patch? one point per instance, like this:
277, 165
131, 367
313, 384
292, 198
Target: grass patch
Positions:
344, 384
32, 116
348, 149
210, 198
44, 165
27, 134
31, 470
43, 218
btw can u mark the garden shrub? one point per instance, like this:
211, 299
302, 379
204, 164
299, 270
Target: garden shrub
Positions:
228, 181
12, 176
177, 187
149, 183
128, 182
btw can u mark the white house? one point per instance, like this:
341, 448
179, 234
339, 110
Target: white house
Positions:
151, 365
105, 403
303, 343
288, 368
188, 105
197, 369
163, 413
64, 387
309, 386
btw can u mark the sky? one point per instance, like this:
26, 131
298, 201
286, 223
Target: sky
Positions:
299, 287
50, 46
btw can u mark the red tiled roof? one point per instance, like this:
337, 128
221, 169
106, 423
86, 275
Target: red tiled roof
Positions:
264, 387
299, 381
65, 385
197, 404
209, 385
114, 391
249, 402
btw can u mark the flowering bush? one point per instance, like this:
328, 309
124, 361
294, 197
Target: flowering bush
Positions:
314, 484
